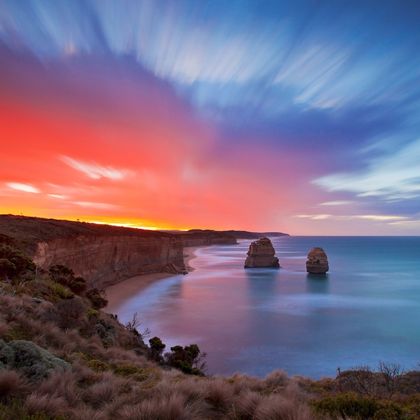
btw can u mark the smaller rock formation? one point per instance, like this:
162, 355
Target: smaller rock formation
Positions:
317, 262
261, 254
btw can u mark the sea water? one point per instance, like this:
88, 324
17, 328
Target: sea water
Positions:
365, 310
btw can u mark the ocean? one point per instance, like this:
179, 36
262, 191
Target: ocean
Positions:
365, 310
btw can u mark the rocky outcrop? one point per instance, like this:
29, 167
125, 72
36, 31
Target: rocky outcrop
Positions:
317, 262
106, 260
261, 253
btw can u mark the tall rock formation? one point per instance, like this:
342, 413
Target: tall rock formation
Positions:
261, 253
317, 262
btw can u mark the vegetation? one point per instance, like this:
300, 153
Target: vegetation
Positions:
63, 357
14, 263
65, 276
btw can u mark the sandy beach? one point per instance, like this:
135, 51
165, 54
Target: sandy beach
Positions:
189, 254
122, 291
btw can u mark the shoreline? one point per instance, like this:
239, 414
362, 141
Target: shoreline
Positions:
120, 292
189, 255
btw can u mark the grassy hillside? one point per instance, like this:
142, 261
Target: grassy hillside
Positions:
63, 357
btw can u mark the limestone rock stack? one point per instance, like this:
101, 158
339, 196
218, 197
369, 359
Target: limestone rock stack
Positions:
317, 262
261, 254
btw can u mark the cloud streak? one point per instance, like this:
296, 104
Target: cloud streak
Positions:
95, 171
395, 176
27, 188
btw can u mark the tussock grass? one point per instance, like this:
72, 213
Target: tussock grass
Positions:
113, 374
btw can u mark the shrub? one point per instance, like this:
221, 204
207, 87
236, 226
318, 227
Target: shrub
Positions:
31, 360
14, 262
70, 312
77, 285
156, 348
96, 298
347, 405
132, 371
61, 292
65, 276
98, 365
7, 268
389, 412
106, 332
59, 272
188, 359
92, 313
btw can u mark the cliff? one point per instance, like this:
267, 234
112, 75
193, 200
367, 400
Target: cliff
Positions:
104, 254
199, 237
244, 234
106, 260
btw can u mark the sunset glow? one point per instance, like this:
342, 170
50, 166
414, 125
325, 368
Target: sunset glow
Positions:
164, 115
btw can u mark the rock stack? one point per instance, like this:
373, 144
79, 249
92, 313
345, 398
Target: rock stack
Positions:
261, 254
317, 262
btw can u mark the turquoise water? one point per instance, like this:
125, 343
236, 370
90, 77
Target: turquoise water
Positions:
366, 310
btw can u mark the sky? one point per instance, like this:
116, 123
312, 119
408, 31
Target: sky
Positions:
301, 117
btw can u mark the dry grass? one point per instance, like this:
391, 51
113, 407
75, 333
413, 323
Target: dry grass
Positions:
111, 375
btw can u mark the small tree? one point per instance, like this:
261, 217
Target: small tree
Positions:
133, 327
156, 349
189, 359
390, 374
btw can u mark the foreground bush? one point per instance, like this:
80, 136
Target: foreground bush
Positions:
13, 262
65, 276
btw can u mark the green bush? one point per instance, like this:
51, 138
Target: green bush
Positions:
32, 361
14, 262
156, 348
65, 276
60, 291
389, 412
92, 313
188, 359
96, 299
347, 405
98, 365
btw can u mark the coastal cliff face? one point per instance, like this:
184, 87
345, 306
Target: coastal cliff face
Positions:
199, 237
106, 260
104, 255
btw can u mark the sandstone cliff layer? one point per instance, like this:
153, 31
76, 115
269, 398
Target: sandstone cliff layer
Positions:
106, 260
198, 237
104, 254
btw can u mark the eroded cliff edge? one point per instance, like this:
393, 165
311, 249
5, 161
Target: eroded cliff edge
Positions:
106, 260
104, 254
